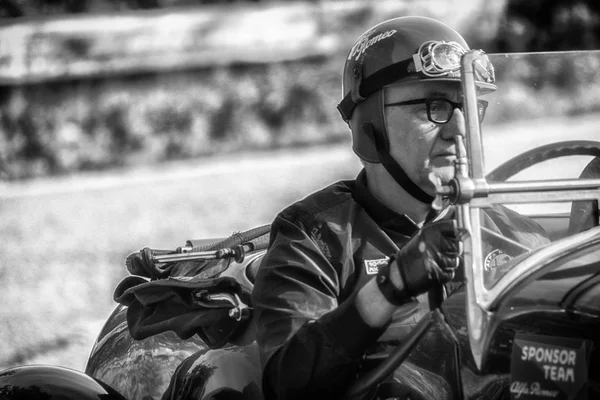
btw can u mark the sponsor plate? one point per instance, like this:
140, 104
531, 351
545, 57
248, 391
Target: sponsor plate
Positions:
547, 367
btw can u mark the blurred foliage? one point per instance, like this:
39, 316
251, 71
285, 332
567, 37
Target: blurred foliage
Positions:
545, 85
71, 126
549, 25
21, 8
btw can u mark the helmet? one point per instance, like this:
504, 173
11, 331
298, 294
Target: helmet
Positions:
397, 50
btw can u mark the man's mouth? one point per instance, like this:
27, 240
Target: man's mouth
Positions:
446, 155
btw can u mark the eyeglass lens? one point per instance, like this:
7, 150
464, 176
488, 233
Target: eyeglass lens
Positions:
440, 110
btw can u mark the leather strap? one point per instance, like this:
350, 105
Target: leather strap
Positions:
382, 147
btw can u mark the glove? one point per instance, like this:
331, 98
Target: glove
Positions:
430, 257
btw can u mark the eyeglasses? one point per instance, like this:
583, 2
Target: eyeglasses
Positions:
439, 110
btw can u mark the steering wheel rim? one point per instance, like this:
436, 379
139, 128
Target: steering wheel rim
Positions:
542, 153
500, 174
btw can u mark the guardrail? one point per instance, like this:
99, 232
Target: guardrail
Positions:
89, 45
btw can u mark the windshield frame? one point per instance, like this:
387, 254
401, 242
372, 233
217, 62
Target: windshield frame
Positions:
470, 192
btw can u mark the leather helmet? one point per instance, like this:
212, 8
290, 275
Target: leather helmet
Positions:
399, 49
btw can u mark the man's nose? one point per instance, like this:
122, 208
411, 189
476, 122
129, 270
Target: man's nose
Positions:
456, 125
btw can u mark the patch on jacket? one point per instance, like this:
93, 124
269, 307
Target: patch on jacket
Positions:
372, 266
495, 259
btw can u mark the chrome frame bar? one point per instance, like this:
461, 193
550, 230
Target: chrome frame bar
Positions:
478, 318
191, 256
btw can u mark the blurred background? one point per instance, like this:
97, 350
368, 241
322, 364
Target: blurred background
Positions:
133, 123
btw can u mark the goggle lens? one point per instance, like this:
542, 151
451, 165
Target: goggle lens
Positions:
446, 57
438, 59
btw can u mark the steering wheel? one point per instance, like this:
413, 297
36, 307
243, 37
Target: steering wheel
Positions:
548, 152
367, 382
581, 215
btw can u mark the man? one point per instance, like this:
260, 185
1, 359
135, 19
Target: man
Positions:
348, 262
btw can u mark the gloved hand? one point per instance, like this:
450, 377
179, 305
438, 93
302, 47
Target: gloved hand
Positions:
430, 257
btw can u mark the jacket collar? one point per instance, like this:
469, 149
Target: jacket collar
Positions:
384, 216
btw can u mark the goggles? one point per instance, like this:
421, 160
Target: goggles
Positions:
434, 60
437, 59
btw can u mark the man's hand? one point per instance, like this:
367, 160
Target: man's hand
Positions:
430, 257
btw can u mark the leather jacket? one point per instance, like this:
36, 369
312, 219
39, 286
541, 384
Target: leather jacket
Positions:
323, 249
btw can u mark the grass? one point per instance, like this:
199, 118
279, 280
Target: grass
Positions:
62, 254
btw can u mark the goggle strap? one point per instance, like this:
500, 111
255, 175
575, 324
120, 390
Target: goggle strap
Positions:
373, 83
418, 63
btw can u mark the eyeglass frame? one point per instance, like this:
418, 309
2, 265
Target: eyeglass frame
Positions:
427, 101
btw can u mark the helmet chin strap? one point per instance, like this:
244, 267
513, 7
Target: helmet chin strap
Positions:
392, 167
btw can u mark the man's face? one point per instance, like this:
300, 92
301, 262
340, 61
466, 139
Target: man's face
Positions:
417, 144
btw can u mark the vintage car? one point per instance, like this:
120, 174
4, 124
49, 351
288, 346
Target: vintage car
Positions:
524, 325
